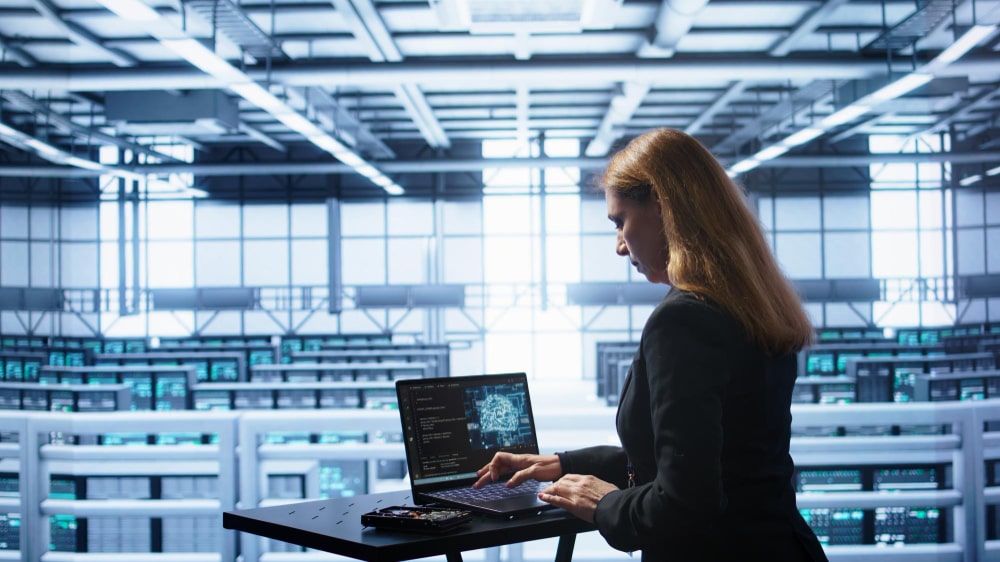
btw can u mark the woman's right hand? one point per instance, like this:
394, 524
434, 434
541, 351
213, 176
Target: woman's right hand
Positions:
544, 468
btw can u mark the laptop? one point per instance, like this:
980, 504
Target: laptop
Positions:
452, 427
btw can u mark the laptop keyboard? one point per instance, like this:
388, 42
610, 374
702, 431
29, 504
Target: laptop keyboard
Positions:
490, 492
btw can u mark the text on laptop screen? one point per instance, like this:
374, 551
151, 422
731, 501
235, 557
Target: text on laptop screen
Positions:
454, 426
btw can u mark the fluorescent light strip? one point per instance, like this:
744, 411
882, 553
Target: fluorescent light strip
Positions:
844, 115
802, 137
299, 124
13, 133
257, 95
368, 171
744, 166
891, 91
969, 180
770, 153
83, 163
962, 45
900, 87
394, 189
205, 59
43, 148
131, 10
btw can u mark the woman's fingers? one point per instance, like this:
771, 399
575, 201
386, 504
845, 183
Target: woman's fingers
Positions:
497, 466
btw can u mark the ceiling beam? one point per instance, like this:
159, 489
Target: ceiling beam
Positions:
368, 28
720, 103
675, 72
16, 54
479, 164
806, 26
81, 36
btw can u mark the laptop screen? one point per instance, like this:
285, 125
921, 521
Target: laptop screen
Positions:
452, 426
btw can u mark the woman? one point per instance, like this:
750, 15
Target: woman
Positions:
704, 416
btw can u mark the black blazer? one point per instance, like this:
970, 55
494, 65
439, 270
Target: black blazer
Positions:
704, 419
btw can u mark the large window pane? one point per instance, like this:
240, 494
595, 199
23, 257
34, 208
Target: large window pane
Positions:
217, 220
894, 209
309, 220
594, 216
218, 264
408, 261
845, 213
109, 265
599, 260
309, 262
363, 262
799, 255
171, 264
78, 223
765, 212
463, 218
558, 356
993, 250
265, 221
894, 254
265, 263
508, 259
42, 265
507, 215
362, 219
993, 208
13, 222
969, 208
971, 258
932, 209
563, 259
932, 253
797, 213
847, 255
506, 353
41, 225
463, 260
14, 264
562, 214
78, 265
411, 218
170, 220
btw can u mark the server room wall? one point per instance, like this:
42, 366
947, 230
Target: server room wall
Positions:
493, 248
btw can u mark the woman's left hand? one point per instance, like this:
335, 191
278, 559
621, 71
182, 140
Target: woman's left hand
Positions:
577, 494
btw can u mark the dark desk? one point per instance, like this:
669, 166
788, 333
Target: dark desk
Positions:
335, 526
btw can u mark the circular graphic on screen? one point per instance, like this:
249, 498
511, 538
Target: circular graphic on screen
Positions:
498, 414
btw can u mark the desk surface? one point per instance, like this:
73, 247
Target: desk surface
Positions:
335, 526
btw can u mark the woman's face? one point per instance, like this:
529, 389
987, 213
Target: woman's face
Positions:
640, 234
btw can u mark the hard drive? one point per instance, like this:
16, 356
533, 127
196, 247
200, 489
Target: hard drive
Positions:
415, 518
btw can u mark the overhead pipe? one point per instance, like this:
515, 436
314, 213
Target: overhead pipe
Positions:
675, 72
475, 165
673, 20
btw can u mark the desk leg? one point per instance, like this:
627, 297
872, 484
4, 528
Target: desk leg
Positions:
564, 552
453, 557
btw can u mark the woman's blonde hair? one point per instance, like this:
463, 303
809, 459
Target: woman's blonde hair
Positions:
716, 247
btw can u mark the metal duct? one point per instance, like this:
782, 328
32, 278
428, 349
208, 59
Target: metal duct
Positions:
673, 21
673, 72
478, 164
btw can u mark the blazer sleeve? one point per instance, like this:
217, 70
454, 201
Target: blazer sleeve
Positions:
686, 347
605, 462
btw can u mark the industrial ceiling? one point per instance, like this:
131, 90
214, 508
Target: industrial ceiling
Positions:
394, 97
